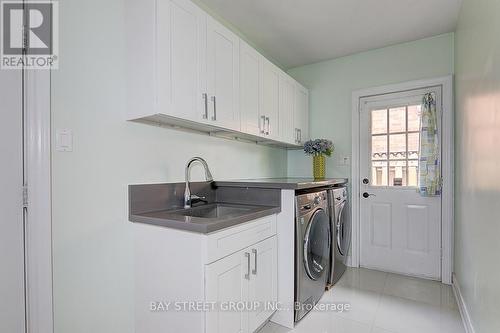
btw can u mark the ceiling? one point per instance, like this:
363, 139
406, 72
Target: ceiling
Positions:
299, 32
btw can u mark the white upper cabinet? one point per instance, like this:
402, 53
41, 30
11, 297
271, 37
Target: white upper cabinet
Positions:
181, 35
187, 70
287, 109
301, 114
270, 99
223, 57
250, 92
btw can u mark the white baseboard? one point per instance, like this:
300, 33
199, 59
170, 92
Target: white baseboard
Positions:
464, 313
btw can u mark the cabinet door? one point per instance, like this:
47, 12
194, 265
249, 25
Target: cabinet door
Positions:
226, 281
286, 110
250, 93
263, 281
302, 113
270, 99
223, 75
181, 40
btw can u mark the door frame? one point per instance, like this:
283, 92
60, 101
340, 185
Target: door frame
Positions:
447, 164
38, 237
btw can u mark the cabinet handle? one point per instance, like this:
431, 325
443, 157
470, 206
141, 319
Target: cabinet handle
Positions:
205, 100
263, 128
247, 275
214, 100
254, 271
296, 135
300, 135
268, 126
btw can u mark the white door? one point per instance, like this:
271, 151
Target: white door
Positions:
263, 281
301, 114
223, 49
250, 82
270, 98
400, 230
226, 281
286, 109
181, 53
12, 307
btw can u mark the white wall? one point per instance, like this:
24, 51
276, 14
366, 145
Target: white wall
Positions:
477, 195
92, 240
332, 82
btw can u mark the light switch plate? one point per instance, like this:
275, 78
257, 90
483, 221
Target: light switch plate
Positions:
64, 140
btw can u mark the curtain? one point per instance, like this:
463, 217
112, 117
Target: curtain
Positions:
429, 169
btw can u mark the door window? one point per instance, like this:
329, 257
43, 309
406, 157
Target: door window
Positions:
394, 146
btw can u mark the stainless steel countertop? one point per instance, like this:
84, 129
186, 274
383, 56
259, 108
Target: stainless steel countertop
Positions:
283, 183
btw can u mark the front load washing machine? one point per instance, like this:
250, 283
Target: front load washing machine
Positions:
312, 250
341, 232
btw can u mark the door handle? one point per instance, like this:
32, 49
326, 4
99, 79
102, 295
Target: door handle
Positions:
300, 135
214, 100
254, 271
263, 128
268, 126
205, 100
366, 195
247, 275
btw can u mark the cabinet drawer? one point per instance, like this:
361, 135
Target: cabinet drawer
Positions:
223, 243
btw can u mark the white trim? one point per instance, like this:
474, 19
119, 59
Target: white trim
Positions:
462, 307
39, 305
447, 205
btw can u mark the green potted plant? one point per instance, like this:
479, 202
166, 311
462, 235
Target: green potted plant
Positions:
319, 149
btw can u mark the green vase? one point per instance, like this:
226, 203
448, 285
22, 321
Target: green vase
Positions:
319, 166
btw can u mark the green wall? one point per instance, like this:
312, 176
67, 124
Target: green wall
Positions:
332, 82
477, 195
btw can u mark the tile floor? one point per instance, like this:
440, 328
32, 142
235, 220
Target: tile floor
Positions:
383, 303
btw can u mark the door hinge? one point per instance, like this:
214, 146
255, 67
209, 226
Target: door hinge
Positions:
25, 196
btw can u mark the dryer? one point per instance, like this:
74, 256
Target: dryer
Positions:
340, 232
312, 250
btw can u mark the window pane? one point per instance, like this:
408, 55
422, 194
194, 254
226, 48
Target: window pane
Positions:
397, 120
397, 146
412, 173
397, 173
413, 143
379, 121
414, 112
379, 173
379, 147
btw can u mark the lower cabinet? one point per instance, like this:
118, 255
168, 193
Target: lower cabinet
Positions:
243, 286
222, 271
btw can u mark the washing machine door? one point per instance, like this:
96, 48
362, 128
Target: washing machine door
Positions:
317, 245
343, 231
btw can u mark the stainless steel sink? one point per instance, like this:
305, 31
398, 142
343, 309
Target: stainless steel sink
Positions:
213, 211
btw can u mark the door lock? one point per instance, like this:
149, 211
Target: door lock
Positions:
366, 181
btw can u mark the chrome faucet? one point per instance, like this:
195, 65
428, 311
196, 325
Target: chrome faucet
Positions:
188, 197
